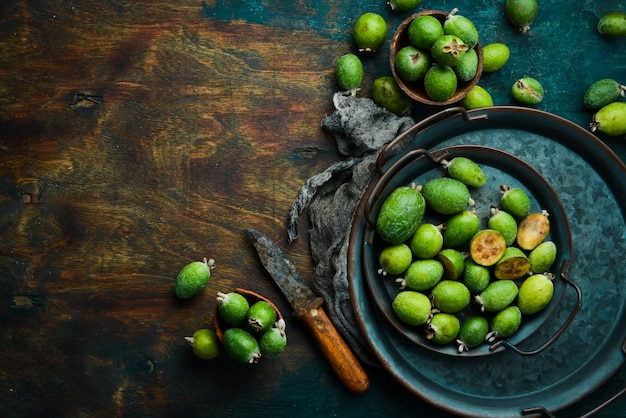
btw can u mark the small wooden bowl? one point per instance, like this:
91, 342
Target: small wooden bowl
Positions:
415, 89
251, 297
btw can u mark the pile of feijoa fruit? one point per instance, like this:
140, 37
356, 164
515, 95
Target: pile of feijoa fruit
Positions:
457, 280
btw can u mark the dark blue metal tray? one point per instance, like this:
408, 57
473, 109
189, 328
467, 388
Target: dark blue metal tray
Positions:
590, 182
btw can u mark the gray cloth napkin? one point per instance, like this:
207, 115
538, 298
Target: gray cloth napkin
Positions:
361, 129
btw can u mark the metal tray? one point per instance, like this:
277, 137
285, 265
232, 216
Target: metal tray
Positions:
590, 181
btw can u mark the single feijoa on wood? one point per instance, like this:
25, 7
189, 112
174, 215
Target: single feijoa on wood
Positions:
370, 32
610, 119
193, 278
205, 344
602, 93
612, 25
466, 171
349, 73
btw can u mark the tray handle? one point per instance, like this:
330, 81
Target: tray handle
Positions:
560, 331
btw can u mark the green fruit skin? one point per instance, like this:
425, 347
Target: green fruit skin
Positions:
474, 330
495, 56
396, 259
535, 293
522, 13
513, 265
440, 83
542, 257
205, 344
370, 31
404, 5
443, 58
400, 215
412, 308
411, 64
498, 295
612, 25
506, 322
349, 72
460, 228
232, 308
192, 279
445, 328
611, 119
450, 296
467, 172
453, 263
272, 343
602, 93
504, 223
427, 241
423, 31
387, 93
516, 202
527, 91
461, 27
466, 69
476, 277
261, 316
241, 346
477, 98
423, 274
446, 195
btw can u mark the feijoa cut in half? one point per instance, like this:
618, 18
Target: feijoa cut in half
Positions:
487, 247
533, 230
513, 265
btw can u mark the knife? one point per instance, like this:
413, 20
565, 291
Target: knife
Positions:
308, 308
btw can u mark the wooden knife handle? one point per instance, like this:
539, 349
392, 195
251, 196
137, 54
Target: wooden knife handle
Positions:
333, 346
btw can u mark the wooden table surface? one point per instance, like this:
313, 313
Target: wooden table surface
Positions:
136, 137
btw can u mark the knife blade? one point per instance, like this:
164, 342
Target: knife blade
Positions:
308, 308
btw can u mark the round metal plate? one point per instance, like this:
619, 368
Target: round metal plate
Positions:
591, 182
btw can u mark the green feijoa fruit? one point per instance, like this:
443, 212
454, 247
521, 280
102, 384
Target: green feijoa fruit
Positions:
241, 346
476, 98
423, 31
476, 277
370, 32
395, 259
527, 91
487, 247
404, 5
542, 257
412, 308
261, 316
443, 328
440, 83
450, 296
232, 307
427, 241
193, 278
602, 93
535, 293
448, 50
460, 228
522, 13
400, 215
497, 296
466, 171
204, 343
504, 223
446, 195
423, 275
467, 67
274, 340
472, 333
462, 27
453, 263
610, 119
514, 201
513, 265
532, 230
495, 56
387, 93
612, 25
505, 323
349, 73
411, 64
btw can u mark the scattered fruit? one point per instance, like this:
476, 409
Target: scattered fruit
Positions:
527, 91
476, 98
387, 94
522, 13
612, 25
349, 73
404, 5
610, 120
193, 278
602, 93
370, 32
495, 56
204, 343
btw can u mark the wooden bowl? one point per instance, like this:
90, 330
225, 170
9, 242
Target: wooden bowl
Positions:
252, 297
415, 89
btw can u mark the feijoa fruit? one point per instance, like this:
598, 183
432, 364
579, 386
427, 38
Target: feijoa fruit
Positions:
241, 346
349, 73
400, 215
370, 32
193, 278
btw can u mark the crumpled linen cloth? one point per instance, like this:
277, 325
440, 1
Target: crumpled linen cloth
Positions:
361, 129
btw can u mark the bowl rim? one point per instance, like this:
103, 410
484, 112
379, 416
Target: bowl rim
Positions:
400, 35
